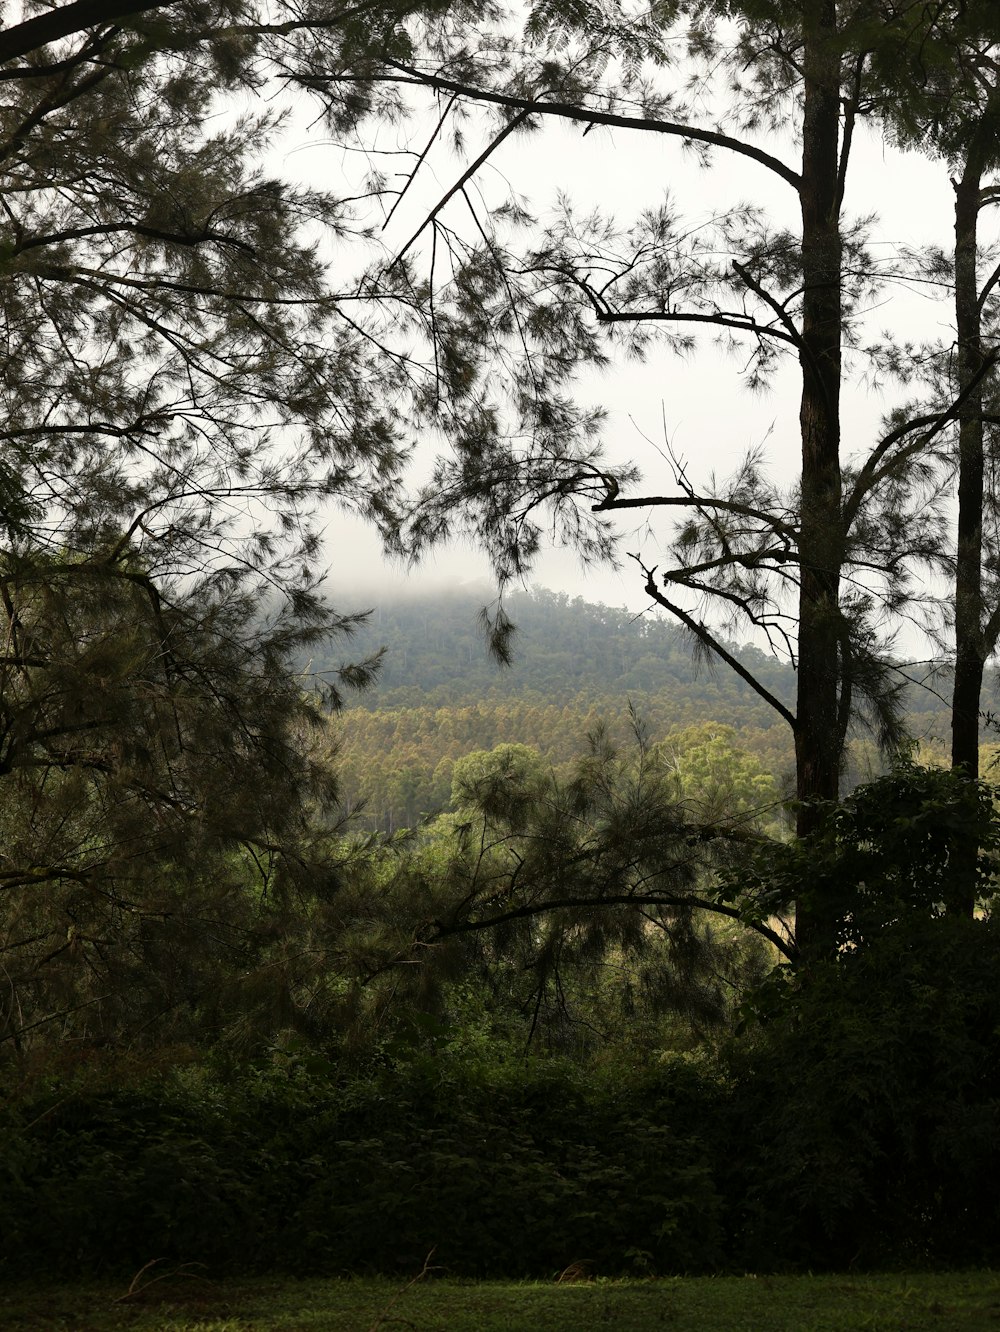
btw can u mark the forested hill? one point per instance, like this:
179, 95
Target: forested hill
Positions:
576, 666
564, 648
441, 696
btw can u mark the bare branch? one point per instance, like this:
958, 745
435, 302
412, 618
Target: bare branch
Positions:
788, 323
871, 473
460, 184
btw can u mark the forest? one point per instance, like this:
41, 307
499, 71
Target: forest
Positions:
497, 934
439, 696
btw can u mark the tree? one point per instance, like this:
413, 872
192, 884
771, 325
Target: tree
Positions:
516, 765
820, 566
876, 1079
538, 889
182, 385
30, 35
720, 779
954, 109
239, 337
145, 894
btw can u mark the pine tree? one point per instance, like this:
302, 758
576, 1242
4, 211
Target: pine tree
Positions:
949, 62
824, 566
182, 385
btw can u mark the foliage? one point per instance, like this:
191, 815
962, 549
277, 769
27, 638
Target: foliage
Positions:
439, 698
825, 565
145, 893
181, 386
177, 359
517, 1169
876, 1081
889, 855
396, 766
580, 908
859, 1127
875, 1070
564, 648
719, 780
512, 766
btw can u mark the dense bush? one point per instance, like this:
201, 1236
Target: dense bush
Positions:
857, 1125
873, 1103
511, 1171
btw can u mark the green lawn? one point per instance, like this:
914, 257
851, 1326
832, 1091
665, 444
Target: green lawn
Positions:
947, 1303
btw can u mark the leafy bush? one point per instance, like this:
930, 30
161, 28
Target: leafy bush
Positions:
92, 1182
867, 1101
872, 1105
517, 1170
860, 1125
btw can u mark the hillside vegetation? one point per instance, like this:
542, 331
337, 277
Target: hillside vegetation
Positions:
440, 695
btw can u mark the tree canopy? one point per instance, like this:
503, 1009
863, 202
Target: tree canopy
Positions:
826, 565
181, 387
195, 361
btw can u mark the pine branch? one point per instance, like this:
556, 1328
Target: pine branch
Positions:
588, 115
66, 20
704, 635
723, 319
460, 184
699, 501
530, 910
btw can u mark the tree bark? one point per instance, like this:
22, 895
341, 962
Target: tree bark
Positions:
65, 21
818, 741
970, 652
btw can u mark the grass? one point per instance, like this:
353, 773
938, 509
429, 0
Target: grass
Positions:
189, 1302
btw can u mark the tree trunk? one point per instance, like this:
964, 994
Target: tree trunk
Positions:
969, 647
817, 740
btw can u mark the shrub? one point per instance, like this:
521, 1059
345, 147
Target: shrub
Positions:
515, 1170
872, 1104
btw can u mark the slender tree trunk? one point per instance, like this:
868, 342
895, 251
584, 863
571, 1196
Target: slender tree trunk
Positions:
817, 739
970, 651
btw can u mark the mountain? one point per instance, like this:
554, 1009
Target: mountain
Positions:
436, 655
440, 695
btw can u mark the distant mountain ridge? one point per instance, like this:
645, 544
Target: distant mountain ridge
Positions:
440, 695
564, 647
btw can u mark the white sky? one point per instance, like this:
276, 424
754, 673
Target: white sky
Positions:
710, 419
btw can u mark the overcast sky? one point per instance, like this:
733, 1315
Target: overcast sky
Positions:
709, 418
